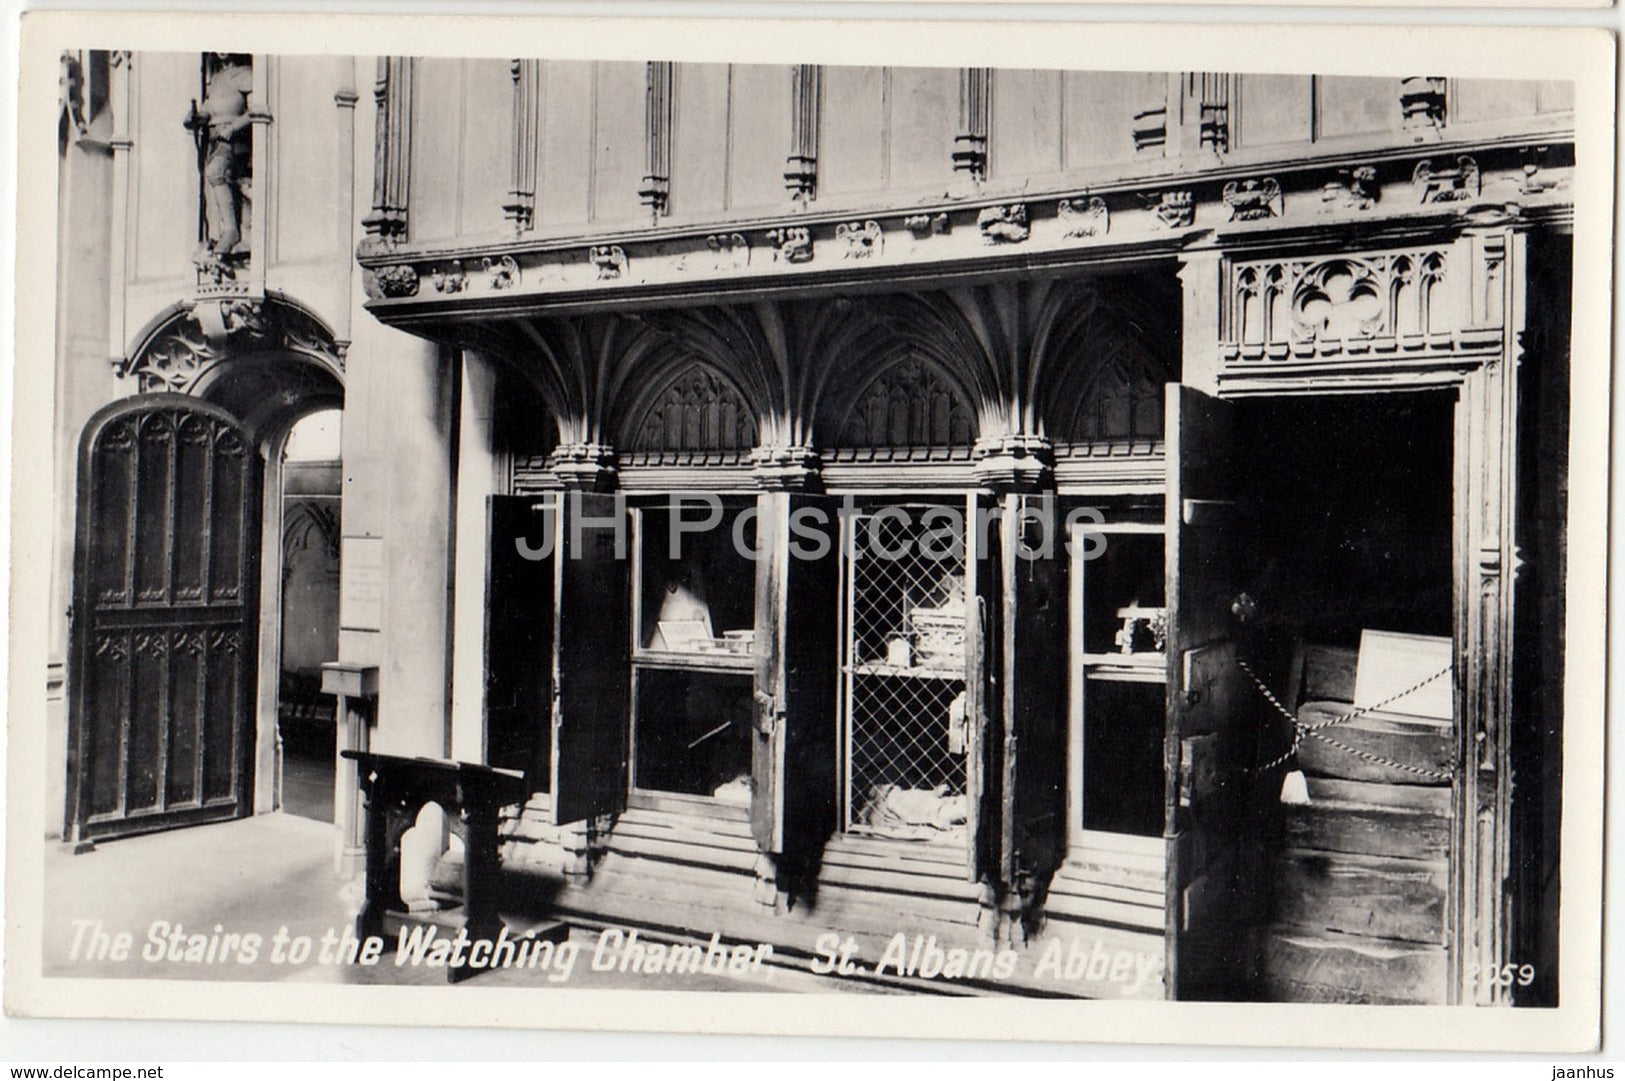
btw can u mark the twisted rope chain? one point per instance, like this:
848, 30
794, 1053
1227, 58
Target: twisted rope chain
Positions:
1313, 729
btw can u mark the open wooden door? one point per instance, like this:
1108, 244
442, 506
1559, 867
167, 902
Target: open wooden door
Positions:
519, 638
1033, 599
1209, 718
166, 609
592, 663
793, 805
984, 754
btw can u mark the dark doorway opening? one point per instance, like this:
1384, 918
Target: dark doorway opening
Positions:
306, 723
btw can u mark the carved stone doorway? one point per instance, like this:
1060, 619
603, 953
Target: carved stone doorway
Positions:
174, 676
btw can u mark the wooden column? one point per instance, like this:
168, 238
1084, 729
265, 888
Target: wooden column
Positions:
1487, 563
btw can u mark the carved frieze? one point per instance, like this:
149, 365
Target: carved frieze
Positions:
732, 250
1253, 200
453, 279
501, 273
1448, 185
608, 260
1174, 209
1380, 303
392, 282
1083, 217
860, 239
791, 244
1006, 224
926, 225
1353, 189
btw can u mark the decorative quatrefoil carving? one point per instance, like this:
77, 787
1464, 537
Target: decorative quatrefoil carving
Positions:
1340, 298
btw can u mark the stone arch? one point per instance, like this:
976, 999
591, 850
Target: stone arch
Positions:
698, 414
910, 405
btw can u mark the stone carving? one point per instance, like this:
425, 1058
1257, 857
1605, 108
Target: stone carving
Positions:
502, 272
1422, 103
926, 225
1083, 217
221, 125
1150, 131
1381, 302
1339, 298
392, 282
791, 243
193, 341
1175, 209
1253, 200
1452, 185
862, 239
1354, 189
454, 279
1005, 224
609, 260
732, 250
1531, 182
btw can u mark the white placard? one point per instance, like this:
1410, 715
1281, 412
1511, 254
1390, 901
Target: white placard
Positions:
1391, 662
361, 584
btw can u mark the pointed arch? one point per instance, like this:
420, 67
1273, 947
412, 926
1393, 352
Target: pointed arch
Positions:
911, 405
697, 415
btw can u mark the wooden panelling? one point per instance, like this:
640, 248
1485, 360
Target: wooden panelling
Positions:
1272, 109
1356, 105
304, 140
564, 186
617, 147
487, 143
852, 153
921, 134
759, 135
699, 145
437, 108
1026, 128
164, 196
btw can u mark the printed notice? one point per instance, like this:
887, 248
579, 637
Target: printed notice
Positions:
361, 584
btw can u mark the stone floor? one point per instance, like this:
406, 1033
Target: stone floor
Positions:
265, 875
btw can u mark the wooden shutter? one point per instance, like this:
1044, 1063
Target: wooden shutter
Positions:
592, 668
1033, 664
1208, 710
793, 807
519, 639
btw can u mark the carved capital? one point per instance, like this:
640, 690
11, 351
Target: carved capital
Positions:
1017, 461
586, 467
779, 469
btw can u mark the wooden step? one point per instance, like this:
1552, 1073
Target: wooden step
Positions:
1372, 819
1300, 967
1417, 742
1367, 895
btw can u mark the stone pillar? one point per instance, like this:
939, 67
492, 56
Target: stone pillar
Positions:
477, 468
401, 402
1201, 331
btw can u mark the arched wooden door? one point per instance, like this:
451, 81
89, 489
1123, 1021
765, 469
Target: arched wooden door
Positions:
165, 614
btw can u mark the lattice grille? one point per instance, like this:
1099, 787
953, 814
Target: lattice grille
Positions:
905, 675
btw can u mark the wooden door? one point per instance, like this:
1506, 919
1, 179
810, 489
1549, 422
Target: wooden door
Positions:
1209, 716
519, 638
984, 625
592, 671
164, 619
793, 807
1032, 660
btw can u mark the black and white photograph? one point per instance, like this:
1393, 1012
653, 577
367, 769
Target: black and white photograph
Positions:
960, 526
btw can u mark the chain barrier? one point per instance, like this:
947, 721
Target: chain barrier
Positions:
1314, 729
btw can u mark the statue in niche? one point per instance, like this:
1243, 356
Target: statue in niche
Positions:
222, 127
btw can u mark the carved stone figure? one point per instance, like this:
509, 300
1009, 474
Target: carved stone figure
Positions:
222, 123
